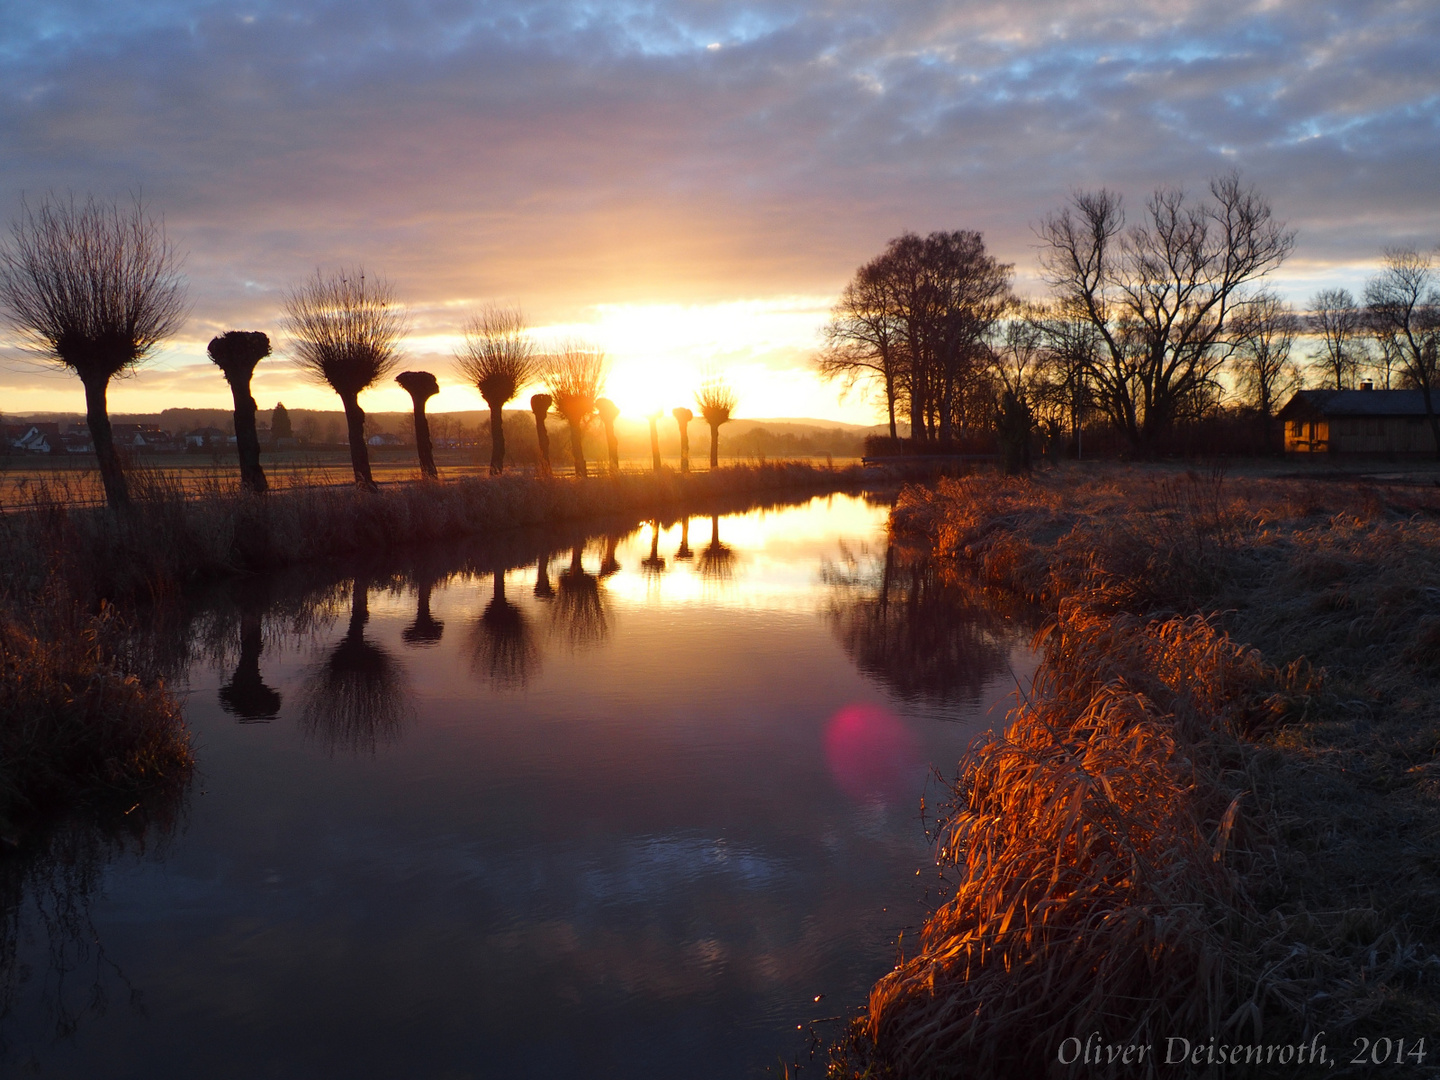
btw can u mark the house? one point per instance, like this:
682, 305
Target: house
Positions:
142, 437
38, 439
384, 438
1364, 421
203, 437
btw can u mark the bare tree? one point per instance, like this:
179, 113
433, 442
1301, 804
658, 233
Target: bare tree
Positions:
864, 340
346, 332
1262, 332
717, 401
540, 406
1338, 322
1159, 293
499, 359
608, 411
654, 440
683, 416
421, 386
575, 376
236, 352
94, 287
1402, 305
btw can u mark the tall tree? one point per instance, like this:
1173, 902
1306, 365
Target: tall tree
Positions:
1402, 305
608, 411
1262, 333
576, 379
683, 416
1338, 322
654, 441
499, 359
864, 341
94, 287
346, 332
280, 427
717, 401
421, 386
236, 352
540, 406
1159, 293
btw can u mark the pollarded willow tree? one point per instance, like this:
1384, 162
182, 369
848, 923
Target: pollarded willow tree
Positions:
235, 353
346, 330
94, 287
717, 401
1160, 292
540, 406
499, 359
683, 416
575, 375
421, 386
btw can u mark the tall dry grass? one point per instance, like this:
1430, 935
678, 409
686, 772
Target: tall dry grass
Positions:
1177, 833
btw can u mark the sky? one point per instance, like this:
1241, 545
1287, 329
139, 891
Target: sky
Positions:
688, 185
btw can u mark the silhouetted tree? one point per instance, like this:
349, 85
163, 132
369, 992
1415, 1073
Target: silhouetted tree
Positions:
717, 401
1014, 423
683, 416
576, 379
1402, 304
421, 386
356, 698
1159, 293
608, 411
654, 442
540, 406
1262, 332
864, 339
280, 423
499, 359
346, 332
236, 352
1338, 322
245, 696
95, 288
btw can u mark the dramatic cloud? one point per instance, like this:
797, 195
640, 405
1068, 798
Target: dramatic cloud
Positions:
566, 155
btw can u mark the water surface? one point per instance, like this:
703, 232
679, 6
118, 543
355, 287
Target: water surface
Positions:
597, 805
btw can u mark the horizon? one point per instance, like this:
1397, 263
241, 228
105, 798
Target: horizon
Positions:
688, 186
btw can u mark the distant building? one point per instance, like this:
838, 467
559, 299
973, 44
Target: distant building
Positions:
203, 437
37, 439
1364, 421
144, 437
384, 438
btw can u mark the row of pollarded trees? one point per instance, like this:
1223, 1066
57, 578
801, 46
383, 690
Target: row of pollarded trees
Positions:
96, 287
1144, 318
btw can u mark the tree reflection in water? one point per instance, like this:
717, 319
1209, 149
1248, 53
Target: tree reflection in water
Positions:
579, 615
717, 561
245, 696
654, 563
543, 589
356, 698
683, 552
503, 646
426, 630
54, 970
902, 622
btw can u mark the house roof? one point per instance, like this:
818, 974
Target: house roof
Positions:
1330, 403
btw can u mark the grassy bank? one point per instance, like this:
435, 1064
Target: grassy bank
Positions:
1212, 815
171, 538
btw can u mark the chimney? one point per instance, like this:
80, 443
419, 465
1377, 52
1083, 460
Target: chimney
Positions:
1367, 385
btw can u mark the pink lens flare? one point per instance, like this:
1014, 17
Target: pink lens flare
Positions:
872, 754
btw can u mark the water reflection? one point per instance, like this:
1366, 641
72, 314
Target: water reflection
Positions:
579, 617
927, 636
246, 696
426, 630
654, 563
503, 646
356, 698
717, 561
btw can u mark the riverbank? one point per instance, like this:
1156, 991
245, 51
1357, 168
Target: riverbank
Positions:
1211, 816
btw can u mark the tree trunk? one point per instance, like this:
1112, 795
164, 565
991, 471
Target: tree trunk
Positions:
1429, 415
112, 474
423, 448
890, 405
612, 446
359, 452
247, 439
654, 445
714, 446
542, 436
684, 448
497, 439
577, 449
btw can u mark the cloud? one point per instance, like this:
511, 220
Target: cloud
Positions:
567, 154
